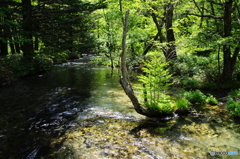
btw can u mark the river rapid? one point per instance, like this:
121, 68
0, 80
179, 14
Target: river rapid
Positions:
78, 111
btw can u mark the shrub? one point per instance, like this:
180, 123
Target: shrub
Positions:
195, 97
211, 100
15, 66
189, 82
154, 82
182, 104
233, 107
210, 85
104, 60
197, 72
6, 72
59, 57
73, 55
235, 94
163, 107
42, 63
100, 60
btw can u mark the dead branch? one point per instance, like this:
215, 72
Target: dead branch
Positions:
210, 16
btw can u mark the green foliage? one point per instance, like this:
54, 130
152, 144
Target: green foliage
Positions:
182, 104
100, 60
233, 107
235, 94
190, 65
193, 71
15, 66
211, 100
195, 97
6, 72
155, 81
209, 85
103, 60
10, 68
14, 63
96, 26
58, 57
189, 82
42, 63
164, 106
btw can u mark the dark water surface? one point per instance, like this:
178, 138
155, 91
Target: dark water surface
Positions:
78, 111
33, 111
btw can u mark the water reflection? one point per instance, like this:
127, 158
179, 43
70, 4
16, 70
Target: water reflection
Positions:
32, 111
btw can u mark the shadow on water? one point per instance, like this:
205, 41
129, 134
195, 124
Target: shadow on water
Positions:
82, 112
32, 111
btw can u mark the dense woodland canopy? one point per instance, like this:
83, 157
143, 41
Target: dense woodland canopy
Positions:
177, 48
30, 27
199, 38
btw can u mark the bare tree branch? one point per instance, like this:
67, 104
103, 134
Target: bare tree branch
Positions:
210, 16
150, 45
197, 7
217, 3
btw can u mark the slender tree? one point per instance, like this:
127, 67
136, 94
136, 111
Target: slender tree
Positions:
27, 26
4, 29
225, 17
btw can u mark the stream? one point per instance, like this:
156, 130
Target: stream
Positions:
78, 111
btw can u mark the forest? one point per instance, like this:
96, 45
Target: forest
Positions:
119, 79
188, 44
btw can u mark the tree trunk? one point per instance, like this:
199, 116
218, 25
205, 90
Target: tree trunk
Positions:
171, 50
13, 51
36, 43
17, 47
3, 47
124, 78
228, 60
27, 29
159, 28
160, 34
3, 34
121, 10
10, 39
150, 45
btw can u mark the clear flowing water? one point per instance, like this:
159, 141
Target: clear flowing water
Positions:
81, 112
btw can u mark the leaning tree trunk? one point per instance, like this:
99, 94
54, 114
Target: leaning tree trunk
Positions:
124, 77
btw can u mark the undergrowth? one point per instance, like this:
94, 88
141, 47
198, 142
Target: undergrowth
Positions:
15, 66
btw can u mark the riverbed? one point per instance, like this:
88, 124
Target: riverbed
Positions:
79, 111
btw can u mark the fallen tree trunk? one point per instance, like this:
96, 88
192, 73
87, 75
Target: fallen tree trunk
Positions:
124, 77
